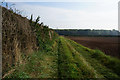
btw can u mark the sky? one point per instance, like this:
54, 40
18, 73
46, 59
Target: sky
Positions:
72, 14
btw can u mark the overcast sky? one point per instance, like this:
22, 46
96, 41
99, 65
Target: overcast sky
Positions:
69, 14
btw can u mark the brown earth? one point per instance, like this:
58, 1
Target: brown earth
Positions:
109, 45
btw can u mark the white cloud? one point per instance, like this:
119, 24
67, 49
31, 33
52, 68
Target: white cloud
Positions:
102, 17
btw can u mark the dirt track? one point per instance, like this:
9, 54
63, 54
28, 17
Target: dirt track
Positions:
109, 45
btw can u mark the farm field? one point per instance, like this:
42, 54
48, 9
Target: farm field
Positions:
33, 50
67, 59
109, 45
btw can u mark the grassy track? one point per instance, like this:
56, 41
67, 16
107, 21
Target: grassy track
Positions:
84, 62
67, 59
75, 62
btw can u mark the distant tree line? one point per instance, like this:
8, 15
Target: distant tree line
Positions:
87, 32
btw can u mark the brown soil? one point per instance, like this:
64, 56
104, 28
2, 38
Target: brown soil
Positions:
109, 45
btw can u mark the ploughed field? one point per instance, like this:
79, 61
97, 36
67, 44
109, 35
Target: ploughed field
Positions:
109, 45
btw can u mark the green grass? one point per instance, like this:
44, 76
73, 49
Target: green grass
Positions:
66, 63
41, 64
64, 58
99, 61
75, 61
